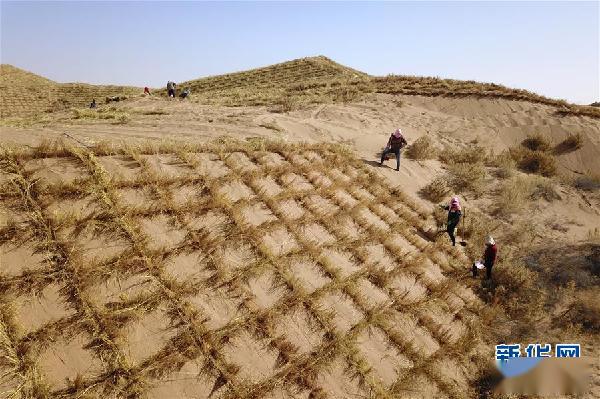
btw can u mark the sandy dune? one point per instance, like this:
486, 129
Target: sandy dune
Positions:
253, 268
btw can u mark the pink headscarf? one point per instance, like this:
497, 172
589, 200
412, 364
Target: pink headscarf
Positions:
398, 133
454, 204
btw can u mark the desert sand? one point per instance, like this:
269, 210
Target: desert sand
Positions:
194, 250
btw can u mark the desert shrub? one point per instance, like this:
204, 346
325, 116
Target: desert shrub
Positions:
571, 143
515, 192
531, 161
436, 190
422, 148
84, 113
467, 177
155, 112
512, 195
585, 311
504, 163
398, 103
474, 227
345, 94
594, 258
587, 183
545, 188
536, 142
122, 119
440, 216
518, 290
472, 154
284, 104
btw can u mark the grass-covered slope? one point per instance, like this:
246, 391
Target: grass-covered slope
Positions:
23, 93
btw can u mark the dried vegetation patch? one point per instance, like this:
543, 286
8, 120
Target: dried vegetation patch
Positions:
277, 279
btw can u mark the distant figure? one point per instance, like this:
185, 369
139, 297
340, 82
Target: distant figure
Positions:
454, 214
394, 145
146, 90
489, 258
171, 89
93, 103
185, 93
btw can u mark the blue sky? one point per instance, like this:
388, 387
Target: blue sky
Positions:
548, 47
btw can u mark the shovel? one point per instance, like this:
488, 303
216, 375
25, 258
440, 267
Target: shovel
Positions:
463, 242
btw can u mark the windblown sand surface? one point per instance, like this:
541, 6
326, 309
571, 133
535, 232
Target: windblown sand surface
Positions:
248, 269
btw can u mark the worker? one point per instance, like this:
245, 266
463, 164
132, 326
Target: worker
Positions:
394, 145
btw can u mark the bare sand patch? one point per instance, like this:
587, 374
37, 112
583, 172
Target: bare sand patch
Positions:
346, 313
301, 329
120, 167
257, 214
291, 209
266, 289
386, 361
296, 182
218, 305
188, 267
268, 186
146, 336
161, 232
118, 289
340, 260
49, 171
309, 274
256, 362
279, 242
72, 208
66, 360
188, 382
236, 190
337, 384
211, 166
17, 258
47, 306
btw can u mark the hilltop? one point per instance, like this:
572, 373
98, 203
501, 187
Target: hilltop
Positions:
283, 87
318, 80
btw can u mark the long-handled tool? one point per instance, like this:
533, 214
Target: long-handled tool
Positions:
463, 242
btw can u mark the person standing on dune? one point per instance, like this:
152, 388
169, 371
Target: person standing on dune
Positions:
489, 258
394, 145
171, 89
454, 214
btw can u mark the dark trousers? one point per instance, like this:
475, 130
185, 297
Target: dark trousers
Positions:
451, 228
391, 151
171, 92
488, 270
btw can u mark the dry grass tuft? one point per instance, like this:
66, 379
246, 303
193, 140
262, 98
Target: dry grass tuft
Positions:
530, 161
436, 190
516, 192
585, 311
536, 142
471, 155
573, 142
587, 182
505, 165
464, 177
422, 148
